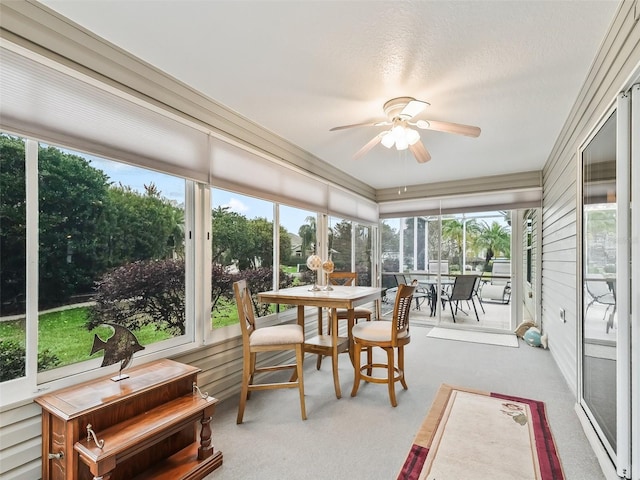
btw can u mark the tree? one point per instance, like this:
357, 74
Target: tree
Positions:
340, 245
146, 292
495, 240
231, 238
454, 233
261, 231
307, 233
142, 226
72, 198
12, 225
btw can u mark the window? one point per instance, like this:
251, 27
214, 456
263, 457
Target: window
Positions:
13, 257
363, 255
300, 227
340, 244
110, 248
242, 247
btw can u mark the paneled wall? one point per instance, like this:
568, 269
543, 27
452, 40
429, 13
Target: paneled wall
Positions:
619, 55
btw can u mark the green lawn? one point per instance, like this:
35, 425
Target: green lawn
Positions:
226, 314
64, 334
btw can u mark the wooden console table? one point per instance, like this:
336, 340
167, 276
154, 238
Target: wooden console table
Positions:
154, 424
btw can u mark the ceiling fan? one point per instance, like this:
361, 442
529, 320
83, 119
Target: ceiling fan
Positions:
400, 111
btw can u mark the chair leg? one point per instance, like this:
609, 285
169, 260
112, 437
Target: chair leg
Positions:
356, 368
370, 360
475, 309
244, 392
252, 370
452, 314
300, 368
480, 302
391, 376
401, 366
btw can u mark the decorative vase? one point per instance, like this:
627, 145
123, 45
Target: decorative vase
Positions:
314, 263
327, 267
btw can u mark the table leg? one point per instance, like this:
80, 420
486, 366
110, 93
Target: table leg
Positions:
350, 322
334, 351
294, 375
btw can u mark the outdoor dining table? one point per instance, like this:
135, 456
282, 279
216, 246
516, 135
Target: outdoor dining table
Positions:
339, 297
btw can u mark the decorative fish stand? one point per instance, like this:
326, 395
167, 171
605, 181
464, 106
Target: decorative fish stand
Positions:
119, 347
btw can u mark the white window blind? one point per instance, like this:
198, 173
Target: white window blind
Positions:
235, 168
52, 105
476, 202
345, 204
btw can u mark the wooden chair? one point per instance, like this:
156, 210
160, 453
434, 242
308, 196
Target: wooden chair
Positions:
388, 336
266, 339
347, 279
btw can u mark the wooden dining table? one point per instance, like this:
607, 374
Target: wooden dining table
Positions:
339, 297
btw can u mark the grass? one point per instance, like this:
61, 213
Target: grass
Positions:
226, 314
64, 334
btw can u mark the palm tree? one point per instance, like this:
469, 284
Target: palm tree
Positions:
307, 233
495, 239
455, 231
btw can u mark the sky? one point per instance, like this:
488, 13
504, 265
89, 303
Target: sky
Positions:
173, 188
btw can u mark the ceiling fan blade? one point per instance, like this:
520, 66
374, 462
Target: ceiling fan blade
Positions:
368, 146
342, 127
413, 108
449, 127
420, 152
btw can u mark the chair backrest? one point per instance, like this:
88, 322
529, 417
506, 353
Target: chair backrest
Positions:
438, 267
246, 316
597, 287
501, 268
401, 279
347, 279
401, 309
463, 287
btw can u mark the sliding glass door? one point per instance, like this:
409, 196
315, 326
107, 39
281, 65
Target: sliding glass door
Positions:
607, 276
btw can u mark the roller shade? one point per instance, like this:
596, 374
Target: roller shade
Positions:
238, 169
53, 105
465, 203
345, 204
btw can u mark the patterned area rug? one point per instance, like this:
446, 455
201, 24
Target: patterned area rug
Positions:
473, 434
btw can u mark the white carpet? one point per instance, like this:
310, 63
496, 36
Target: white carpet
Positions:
500, 339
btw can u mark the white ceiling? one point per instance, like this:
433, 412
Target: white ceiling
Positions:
298, 68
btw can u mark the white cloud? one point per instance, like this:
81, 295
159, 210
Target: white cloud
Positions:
236, 205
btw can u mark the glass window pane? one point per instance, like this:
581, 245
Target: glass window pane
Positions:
340, 244
111, 251
13, 235
242, 247
363, 254
300, 227
599, 226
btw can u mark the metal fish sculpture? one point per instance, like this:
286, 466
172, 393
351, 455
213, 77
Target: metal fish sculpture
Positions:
119, 347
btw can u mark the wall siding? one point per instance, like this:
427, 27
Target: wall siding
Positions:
220, 376
618, 57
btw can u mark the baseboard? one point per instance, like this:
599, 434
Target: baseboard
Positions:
608, 469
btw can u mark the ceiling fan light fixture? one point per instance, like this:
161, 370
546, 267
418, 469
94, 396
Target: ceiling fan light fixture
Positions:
412, 136
402, 143
387, 139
